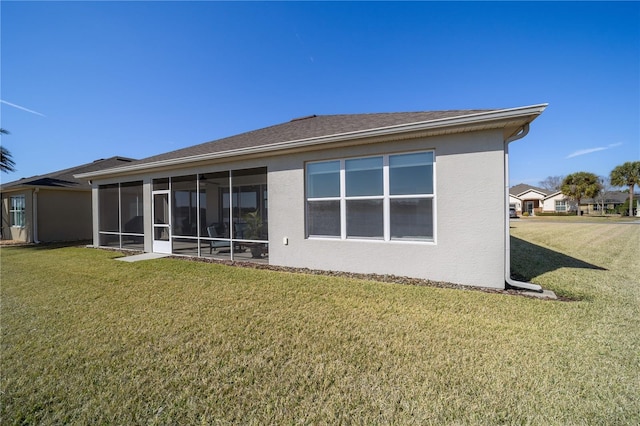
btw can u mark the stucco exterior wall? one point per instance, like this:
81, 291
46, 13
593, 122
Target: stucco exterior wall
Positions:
13, 232
532, 195
469, 224
61, 216
64, 215
549, 204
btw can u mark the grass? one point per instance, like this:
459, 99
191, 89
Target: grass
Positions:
89, 340
591, 218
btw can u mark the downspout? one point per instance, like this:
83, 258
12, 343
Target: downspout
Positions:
34, 208
511, 283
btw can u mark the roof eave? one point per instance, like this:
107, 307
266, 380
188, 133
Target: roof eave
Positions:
28, 186
455, 124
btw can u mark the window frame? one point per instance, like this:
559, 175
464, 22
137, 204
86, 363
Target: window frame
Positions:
561, 206
386, 198
17, 216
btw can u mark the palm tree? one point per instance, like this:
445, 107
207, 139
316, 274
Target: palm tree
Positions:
627, 174
579, 185
6, 162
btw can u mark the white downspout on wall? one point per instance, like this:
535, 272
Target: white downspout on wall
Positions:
507, 243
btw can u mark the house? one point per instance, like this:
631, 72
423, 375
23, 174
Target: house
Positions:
612, 201
533, 200
51, 207
526, 198
557, 202
418, 194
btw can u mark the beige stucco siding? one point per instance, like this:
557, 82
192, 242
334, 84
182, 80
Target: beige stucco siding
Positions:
50, 215
64, 215
14, 232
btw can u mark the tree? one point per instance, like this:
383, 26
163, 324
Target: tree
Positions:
605, 190
6, 162
627, 174
552, 183
579, 185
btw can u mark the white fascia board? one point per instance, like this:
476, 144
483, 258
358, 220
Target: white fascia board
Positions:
452, 122
552, 195
522, 194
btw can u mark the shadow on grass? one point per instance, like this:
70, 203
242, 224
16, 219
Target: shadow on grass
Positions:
529, 260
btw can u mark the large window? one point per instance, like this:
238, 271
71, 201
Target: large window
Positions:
386, 197
16, 210
120, 215
561, 205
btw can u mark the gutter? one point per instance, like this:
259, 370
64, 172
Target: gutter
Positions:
511, 283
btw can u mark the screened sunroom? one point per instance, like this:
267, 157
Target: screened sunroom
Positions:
222, 215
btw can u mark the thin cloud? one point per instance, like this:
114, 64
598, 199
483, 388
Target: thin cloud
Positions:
591, 150
22, 108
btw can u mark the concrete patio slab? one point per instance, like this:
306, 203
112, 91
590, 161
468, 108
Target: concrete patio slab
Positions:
142, 256
546, 294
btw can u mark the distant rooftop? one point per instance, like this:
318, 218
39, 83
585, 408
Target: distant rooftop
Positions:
64, 178
523, 187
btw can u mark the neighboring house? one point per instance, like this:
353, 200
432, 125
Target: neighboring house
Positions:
412, 194
51, 207
557, 202
612, 200
526, 198
532, 199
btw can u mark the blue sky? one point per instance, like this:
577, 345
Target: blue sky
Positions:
88, 80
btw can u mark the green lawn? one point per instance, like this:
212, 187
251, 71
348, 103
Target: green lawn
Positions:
88, 340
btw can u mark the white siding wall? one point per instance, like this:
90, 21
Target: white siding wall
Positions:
549, 204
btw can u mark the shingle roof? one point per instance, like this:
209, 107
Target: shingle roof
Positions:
309, 127
319, 130
65, 178
523, 187
612, 197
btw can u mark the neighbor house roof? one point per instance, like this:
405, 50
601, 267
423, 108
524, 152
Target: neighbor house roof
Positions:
321, 130
612, 197
522, 188
65, 178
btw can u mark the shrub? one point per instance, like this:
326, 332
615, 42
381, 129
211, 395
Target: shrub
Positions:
525, 214
557, 213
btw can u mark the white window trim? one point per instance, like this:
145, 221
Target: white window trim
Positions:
386, 197
13, 212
